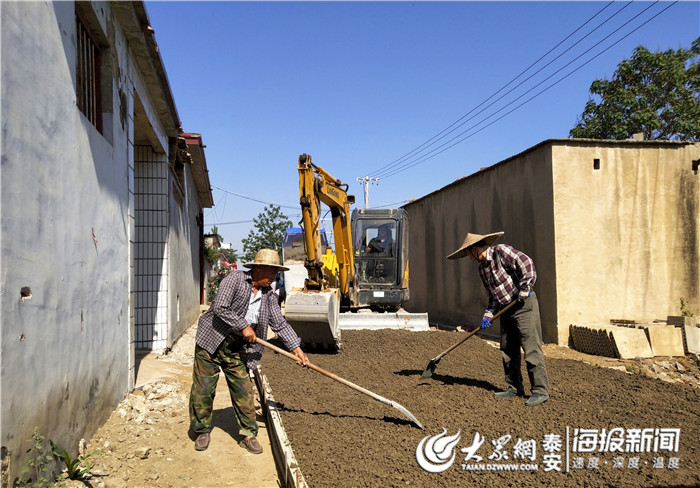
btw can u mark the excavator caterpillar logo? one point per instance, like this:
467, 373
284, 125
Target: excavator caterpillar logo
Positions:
433, 452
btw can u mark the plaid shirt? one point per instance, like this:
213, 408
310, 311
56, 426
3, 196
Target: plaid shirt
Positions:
505, 273
226, 316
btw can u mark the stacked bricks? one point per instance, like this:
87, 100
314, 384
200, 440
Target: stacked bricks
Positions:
627, 339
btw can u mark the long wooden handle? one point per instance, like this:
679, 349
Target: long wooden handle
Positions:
458, 343
324, 372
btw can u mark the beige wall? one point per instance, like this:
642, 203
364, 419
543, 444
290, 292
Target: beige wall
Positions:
628, 243
642, 205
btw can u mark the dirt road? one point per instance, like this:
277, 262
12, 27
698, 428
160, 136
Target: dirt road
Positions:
146, 439
344, 439
602, 427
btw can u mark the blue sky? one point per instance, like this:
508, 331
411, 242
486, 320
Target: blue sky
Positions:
359, 85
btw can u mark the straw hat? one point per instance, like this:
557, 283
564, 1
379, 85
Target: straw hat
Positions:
472, 239
267, 257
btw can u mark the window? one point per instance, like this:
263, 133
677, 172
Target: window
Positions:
88, 71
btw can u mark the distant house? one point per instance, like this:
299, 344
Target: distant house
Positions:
613, 228
212, 241
102, 216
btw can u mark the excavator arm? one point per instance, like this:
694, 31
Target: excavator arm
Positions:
314, 311
317, 186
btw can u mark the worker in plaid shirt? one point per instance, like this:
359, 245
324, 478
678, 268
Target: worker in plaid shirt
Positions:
244, 307
508, 275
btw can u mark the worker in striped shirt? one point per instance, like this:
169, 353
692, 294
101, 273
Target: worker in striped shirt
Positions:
507, 275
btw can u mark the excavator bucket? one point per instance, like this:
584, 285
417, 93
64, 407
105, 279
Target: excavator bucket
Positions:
314, 317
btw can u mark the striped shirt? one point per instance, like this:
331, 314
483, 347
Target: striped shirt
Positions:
504, 273
227, 315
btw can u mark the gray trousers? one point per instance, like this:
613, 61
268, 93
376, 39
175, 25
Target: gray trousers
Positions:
521, 328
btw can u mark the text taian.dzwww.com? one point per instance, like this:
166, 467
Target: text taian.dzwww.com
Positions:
500, 467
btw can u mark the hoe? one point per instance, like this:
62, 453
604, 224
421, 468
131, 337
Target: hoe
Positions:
430, 368
318, 369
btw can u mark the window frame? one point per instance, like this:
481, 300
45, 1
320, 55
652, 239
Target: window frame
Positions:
88, 72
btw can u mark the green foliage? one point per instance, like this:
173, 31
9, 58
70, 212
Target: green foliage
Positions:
268, 233
656, 94
685, 311
228, 255
211, 254
76, 468
221, 272
36, 471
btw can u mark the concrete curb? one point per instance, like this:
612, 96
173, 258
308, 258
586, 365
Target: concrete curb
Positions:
287, 466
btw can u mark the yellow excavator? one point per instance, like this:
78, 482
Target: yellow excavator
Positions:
364, 284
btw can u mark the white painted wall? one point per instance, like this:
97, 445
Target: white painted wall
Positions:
184, 260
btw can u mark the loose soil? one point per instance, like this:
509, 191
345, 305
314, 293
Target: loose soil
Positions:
342, 438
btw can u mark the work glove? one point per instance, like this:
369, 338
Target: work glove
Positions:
523, 295
485, 323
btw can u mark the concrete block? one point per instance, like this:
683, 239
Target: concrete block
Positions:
631, 343
679, 320
691, 339
665, 340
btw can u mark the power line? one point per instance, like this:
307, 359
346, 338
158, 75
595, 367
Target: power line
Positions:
527, 79
435, 151
446, 131
255, 199
387, 170
232, 223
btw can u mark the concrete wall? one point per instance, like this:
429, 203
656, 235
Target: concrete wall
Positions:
620, 242
628, 240
515, 197
65, 236
69, 212
184, 260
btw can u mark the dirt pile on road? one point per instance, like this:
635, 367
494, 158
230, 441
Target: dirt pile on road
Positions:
601, 427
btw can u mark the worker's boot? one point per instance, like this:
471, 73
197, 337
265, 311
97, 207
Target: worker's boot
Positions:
509, 393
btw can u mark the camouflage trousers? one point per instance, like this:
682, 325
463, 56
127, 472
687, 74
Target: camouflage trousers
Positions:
229, 358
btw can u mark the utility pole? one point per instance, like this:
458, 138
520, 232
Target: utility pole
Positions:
366, 180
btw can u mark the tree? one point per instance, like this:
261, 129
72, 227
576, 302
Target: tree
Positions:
228, 255
657, 94
270, 226
213, 254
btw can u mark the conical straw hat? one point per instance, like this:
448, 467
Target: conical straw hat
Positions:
472, 239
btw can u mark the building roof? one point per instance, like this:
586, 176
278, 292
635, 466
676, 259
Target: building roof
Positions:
200, 173
567, 141
135, 23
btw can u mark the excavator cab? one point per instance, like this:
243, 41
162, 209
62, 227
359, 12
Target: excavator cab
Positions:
380, 245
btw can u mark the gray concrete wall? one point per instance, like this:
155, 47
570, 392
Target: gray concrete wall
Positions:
628, 242
184, 261
65, 235
513, 196
68, 224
